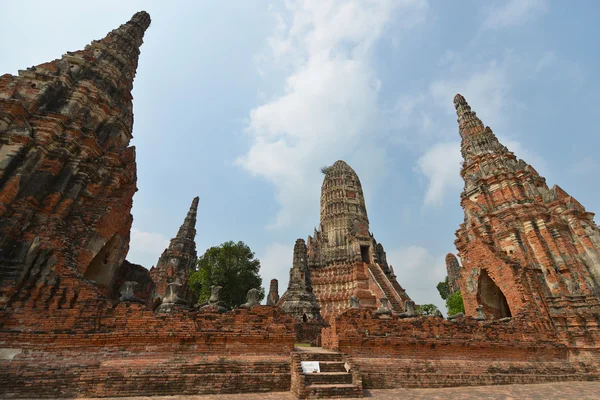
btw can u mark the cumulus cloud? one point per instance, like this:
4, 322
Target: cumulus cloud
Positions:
146, 247
488, 88
275, 263
419, 272
513, 13
329, 102
440, 165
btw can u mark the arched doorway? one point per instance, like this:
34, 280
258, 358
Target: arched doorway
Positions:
491, 297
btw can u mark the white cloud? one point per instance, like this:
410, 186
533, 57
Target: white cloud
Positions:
441, 165
418, 271
330, 98
486, 86
146, 247
275, 263
513, 13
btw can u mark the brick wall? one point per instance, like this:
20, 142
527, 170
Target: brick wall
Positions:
125, 350
432, 352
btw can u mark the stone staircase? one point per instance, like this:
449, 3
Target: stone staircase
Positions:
338, 378
386, 286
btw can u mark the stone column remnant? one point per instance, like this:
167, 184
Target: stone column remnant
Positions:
273, 296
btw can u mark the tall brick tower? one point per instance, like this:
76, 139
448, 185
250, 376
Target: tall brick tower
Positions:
67, 173
178, 261
524, 247
343, 257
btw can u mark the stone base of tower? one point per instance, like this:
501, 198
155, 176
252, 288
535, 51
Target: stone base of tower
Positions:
334, 285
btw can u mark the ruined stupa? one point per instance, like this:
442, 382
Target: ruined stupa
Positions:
344, 259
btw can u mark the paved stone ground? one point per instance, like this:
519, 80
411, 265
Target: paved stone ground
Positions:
545, 391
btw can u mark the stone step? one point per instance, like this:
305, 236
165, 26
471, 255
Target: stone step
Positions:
328, 378
332, 366
318, 391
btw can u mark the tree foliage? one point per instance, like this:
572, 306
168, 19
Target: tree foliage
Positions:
231, 266
324, 169
426, 309
444, 289
454, 303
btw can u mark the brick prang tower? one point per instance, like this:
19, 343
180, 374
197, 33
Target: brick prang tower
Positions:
344, 259
67, 173
524, 247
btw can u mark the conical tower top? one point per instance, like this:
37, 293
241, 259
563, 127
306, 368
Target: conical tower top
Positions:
89, 88
188, 228
468, 122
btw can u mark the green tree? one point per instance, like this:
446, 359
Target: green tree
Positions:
231, 266
444, 289
324, 169
426, 309
454, 303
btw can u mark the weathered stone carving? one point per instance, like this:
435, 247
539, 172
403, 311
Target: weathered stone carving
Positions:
251, 299
480, 316
128, 292
273, 296
438, 313
214, 302
384, 309
455, 316
171, 301
354, 302
410, 312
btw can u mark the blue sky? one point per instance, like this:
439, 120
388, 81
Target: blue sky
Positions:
242, 102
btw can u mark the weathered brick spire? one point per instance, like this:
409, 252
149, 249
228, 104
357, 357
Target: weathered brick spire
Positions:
344, 259
299, 300
67, 175
343, 211
524, 247
178, 261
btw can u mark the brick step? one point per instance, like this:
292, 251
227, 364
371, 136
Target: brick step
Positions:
329, 378
332, 366
321, 357
319, 391
385, 285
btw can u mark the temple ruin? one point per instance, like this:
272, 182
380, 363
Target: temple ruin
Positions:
78, 320
344, 259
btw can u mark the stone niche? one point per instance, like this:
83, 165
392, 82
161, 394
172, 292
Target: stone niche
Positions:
491, 297
102, 267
